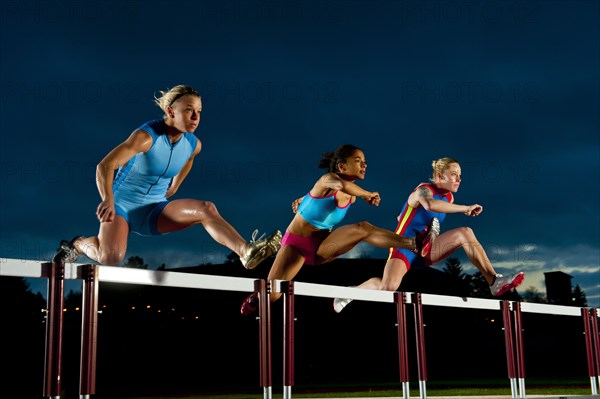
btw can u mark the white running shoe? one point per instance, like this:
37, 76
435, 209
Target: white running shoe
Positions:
340, 303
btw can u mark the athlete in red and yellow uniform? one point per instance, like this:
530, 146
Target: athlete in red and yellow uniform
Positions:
430, 202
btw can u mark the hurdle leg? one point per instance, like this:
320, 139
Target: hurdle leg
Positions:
596, 342
508, 340
287, 287
400, 300
264, 315
519, 348
89, 331
590, 332
420, 337
54, 329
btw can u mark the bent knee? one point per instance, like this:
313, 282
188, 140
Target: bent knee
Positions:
466, 236
390, 285
364, 226
467, 233
207, 207
111, 258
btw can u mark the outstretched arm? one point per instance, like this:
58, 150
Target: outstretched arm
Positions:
424, 197
331, 181
139, 141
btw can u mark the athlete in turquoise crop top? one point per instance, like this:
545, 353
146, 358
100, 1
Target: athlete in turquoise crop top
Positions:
322, 212
137, 178
311, 238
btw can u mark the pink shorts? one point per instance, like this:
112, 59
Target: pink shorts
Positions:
307, 246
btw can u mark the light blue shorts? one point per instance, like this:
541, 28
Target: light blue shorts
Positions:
142, 219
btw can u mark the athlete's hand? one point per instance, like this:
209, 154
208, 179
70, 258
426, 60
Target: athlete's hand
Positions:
170, 192
474, 210
372, 199
106, 211
296, 203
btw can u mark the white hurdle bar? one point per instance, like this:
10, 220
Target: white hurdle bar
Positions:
33, 269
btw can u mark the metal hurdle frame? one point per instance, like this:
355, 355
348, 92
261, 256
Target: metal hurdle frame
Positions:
56, 274
92, 275
290, 288
590, 318
96, 274
592, 344
511, 313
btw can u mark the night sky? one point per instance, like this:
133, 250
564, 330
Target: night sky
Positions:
508, 88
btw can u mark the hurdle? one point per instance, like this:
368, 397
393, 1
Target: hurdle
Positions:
92, 275
511, 313
96, 274
56, 275
290, 288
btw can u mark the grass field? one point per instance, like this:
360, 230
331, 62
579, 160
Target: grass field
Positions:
439, 388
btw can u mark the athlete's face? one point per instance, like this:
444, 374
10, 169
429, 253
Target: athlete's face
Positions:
355, 165
450, 180
186, 113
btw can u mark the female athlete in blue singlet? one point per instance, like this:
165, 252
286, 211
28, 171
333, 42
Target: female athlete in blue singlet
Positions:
310, 237
137, 178
426, 202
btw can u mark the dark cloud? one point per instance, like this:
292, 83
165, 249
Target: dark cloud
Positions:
509, 88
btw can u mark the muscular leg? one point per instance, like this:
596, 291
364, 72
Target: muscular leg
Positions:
394, 271
183, 213
451, 240
344, 238
110, 246
286, 266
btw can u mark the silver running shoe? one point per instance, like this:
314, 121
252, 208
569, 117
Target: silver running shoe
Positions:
260, 249
503, 284
340, 303
66, 252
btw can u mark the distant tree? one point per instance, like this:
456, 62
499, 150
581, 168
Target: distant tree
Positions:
453, 267
232, 258
162, 267
531, 294
135, 262
17, 299
73, 299
479, 286
22, 335
579, 298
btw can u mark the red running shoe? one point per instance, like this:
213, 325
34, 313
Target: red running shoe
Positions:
250, 304
424, 240
503, 284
